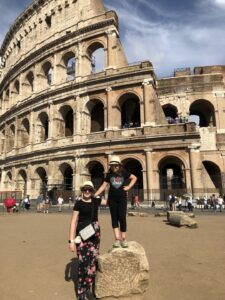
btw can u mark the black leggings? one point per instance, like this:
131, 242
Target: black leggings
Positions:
118, 210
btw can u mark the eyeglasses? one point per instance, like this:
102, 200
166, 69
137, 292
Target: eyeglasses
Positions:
87, 190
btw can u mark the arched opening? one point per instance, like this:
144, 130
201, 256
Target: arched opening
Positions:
67, 114
93, 118
96, 56
205, 111
30, 79
96, 112
170, 112
96, 170
43, 126
22, 182
48, 70
67, 173
134, 167
25, 131
212, 182
70, 64
17, 86
8, 181
42, 180
172, 177
11, 138
130, 111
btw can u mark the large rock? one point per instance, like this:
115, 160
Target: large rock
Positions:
123, 273
179, 218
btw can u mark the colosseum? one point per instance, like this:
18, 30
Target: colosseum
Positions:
70, 99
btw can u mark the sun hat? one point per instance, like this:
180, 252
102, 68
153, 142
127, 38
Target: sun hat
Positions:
115, 160
87, 184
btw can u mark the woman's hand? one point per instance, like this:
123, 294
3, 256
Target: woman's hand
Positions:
126, 188
72, 247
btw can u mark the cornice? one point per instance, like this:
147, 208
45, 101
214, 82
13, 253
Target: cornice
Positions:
52, 44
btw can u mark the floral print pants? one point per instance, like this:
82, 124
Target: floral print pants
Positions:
87, 253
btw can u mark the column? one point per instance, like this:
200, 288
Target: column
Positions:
195, 163
32, 127
50, 119
111, 57
149, 102
149, 173
108, 124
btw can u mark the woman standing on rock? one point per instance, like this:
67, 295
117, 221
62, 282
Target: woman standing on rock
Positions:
117, 179
85, 211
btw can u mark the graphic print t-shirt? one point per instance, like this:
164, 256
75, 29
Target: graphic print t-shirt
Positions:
117, 182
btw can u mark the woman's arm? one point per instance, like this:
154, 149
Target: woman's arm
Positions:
101, 189
73, 224
133, 180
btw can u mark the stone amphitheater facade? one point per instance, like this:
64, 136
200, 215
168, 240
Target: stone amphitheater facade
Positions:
62, 115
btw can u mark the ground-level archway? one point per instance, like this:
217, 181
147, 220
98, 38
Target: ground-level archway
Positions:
172, 177
96, 170
134, 167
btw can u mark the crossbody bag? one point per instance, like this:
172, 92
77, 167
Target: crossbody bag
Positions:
88, 231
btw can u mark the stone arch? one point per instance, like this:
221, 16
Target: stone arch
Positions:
69, 62
213, 176
170, 112
134, 166
96, 55
41, 180
67, 124
42, 127
8, 181
11, 137
21, 181
30, 82
47, 71
129, 104
95, 115
67, 176
24, 132
172, 176
205, 111
16, 87
96, 171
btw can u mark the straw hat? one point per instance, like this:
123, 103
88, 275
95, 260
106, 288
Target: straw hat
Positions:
115, 160
87, 184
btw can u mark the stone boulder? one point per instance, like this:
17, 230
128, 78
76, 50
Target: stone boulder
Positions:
137, 214
123, 273
179, 218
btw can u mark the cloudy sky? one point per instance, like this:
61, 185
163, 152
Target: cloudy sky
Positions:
170, 33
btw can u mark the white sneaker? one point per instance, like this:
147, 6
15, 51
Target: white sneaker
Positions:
116, 244
124, 244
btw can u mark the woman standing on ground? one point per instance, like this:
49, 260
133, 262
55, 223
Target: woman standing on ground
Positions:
85, 211
117, 179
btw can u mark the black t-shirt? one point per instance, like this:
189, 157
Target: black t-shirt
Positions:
85, 209
117, 183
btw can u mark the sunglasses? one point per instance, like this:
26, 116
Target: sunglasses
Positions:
87, 190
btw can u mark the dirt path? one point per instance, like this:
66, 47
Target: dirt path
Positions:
185, 264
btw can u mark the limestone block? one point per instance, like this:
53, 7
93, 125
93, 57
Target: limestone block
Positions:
123, 273
135, 214
179, 218
161, 214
